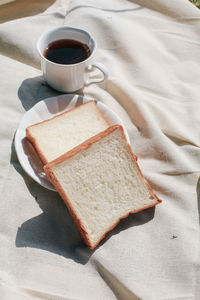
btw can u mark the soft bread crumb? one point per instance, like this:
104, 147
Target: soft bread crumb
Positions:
60, 134
101, 183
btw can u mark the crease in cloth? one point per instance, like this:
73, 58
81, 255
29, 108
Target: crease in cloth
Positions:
104, 9
179, 35
35, 294
119, 289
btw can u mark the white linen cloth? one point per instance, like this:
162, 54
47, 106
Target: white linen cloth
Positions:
152, 51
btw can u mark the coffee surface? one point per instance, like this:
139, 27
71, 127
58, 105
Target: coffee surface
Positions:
66, 52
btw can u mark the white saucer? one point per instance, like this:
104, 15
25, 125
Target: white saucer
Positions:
44, 110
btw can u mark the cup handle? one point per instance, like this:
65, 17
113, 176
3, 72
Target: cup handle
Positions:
101, 68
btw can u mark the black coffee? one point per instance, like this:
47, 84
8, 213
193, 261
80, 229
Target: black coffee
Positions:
66, 52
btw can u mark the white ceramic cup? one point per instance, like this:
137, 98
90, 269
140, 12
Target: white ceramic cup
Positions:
71, 77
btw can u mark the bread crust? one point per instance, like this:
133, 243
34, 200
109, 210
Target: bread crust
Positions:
85, 145
33, 141
35, 145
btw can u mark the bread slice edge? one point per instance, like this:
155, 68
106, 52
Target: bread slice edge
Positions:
85, 145
33, 141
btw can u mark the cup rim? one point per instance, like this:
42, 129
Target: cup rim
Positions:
68, 27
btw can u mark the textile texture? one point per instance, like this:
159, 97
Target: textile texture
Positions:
152, 52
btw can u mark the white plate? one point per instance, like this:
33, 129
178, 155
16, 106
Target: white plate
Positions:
44, 110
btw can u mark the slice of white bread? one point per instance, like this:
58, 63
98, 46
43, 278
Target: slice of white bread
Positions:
52, 138
101, 183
